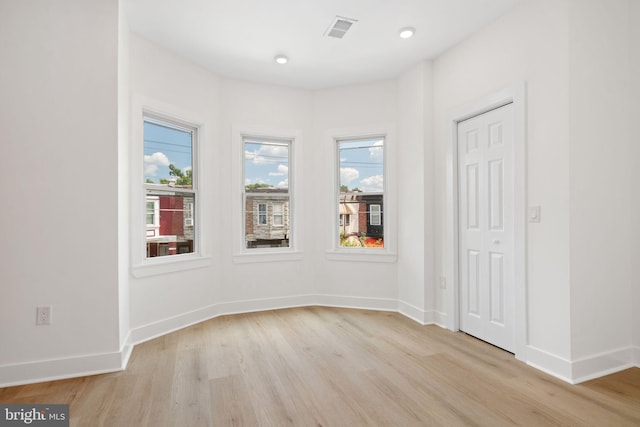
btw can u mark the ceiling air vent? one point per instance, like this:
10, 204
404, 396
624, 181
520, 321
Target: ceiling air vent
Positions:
339, 27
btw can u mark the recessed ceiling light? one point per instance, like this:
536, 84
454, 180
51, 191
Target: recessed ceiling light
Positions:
281, 59
407, 32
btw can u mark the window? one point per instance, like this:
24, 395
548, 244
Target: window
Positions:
188, 214
169, 187
267, 203
361, 192
262, 213
153, 215
278, 215
374, 215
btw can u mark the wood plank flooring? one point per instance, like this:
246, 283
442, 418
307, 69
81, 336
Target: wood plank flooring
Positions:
318, 366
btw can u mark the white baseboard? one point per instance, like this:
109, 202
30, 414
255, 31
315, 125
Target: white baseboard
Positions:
424, 317
441, 319
363, 303
549, 363
601, 364
58, 369
583, 369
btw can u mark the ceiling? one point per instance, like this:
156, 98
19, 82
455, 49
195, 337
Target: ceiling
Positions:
240, 38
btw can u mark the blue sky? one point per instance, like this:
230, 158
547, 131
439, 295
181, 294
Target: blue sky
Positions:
164, 146
362, 165
266, 163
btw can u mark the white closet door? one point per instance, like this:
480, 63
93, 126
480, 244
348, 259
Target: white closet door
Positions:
486, 227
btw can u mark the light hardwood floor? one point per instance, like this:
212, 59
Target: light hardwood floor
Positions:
318, 366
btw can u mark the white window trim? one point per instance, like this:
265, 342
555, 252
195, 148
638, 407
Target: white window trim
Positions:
334, 252
140, 265
294, 251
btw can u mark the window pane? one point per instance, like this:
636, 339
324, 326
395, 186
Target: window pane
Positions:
169, 187
266, 200
361, 193
168, 155
171, 234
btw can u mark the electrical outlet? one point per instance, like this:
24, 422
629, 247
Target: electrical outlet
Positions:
43, 315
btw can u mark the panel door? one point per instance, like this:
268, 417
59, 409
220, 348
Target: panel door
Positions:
486, 227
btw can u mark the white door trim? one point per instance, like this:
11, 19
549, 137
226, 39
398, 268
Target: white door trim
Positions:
515, 94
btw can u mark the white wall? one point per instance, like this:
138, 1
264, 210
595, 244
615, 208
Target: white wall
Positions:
601, 182
124, 176
162, 81
351, 109
415, 198
59, 110
272, 109
164, 302
574, 56
634, 113
529, 44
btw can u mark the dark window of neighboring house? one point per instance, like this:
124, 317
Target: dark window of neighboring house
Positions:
170, 187
266, 198
262, 214
361, 192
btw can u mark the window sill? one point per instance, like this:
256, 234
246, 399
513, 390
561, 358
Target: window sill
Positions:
371, 255
250, 257
163, 266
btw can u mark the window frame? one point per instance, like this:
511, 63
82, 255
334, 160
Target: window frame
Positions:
158, 190
268, 213
141, 265
388, 253
241, 254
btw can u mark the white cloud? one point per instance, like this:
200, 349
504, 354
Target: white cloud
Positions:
284, 183
348, 174
152, 162
372, 183
150, 170
376, 152
267, 154
283, 170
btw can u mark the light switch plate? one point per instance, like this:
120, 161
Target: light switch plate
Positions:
534, 213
